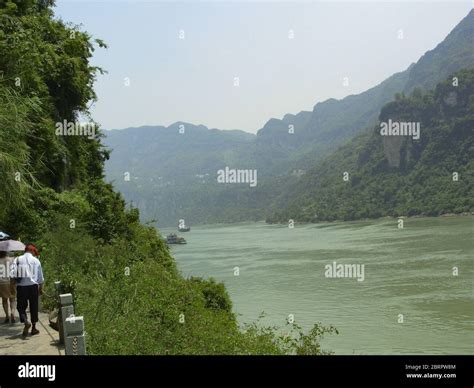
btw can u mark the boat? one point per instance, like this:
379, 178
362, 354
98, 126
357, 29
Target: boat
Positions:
173, 238
184, 228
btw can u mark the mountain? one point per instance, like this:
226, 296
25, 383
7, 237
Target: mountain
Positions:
176, 153
396, 175
329, 124
173, 175
333, 122
169, 173
453, 53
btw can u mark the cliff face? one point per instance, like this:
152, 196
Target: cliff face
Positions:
392, 146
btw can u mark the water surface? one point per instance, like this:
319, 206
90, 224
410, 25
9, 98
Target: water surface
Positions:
408, 271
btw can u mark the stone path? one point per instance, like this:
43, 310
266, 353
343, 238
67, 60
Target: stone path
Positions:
45, 343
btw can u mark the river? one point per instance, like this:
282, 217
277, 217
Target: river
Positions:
411, 300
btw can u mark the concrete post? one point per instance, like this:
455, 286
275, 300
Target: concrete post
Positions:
74, 335
66, 310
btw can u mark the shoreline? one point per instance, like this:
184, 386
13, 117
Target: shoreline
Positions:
444, 215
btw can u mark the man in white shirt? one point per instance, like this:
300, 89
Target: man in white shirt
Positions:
27, 271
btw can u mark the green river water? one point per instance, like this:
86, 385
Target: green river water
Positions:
407, 271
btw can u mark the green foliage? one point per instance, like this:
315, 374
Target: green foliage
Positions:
41, 58
309, 344
293, 341
215, 294
16, 178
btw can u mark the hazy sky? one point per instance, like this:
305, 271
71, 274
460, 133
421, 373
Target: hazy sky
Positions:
192, 79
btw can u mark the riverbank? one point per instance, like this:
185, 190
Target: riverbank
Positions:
464, 214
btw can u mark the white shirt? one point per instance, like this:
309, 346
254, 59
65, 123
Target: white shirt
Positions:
29, 269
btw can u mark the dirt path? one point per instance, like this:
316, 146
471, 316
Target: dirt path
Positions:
45, 343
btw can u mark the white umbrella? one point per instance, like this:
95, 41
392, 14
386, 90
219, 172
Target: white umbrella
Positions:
11, 245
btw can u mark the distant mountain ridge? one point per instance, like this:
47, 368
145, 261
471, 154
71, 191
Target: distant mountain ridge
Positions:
177, 152
155, 155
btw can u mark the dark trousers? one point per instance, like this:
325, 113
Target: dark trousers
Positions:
27, 295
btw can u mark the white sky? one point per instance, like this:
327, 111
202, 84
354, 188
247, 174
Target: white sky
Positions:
192, 79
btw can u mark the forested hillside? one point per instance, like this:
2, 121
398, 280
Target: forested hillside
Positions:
397, 175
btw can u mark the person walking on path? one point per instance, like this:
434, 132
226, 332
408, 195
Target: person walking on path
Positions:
27, 271
7, 288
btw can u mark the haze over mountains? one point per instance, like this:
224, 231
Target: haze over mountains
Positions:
173, 169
